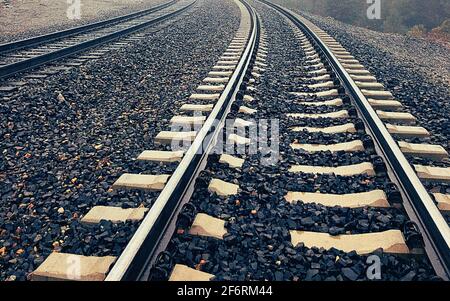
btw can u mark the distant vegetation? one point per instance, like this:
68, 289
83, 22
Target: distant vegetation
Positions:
415, 17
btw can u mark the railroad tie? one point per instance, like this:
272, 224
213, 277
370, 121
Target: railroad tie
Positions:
211, 88
363, 78
344, 56
250, 89
376, 94
260, 59
141, 181
328, 84
237, 48
337, 102
341, 52
369, 86
225, 62
262, 51
209, 97
338, 114
320, 78
231, 161
229, 57
304, 42
431, 151
322, 71
63, 266
258, 69
345, 128
391, 241
433, 174
407, 131
208, 226
335, 47
113, 214
238, 140
220, 73
248, 98
241, 123
311, 66
256, 74
349, 61
222, 188
358, 72
401, 117
168, 137
261, 64
186, 121
352, 146
231, 53
197, 108
184, 273
314, 61
443, 201
385, 104
349, 170
161, 156
216, 80
374, 198
247, 110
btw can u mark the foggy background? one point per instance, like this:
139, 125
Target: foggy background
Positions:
414, 17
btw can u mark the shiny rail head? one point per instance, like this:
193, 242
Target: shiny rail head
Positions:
125, 261
427, 214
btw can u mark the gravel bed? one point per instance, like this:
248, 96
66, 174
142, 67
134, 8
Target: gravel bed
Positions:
258, 219
28, 18
415, 70
428, 58
59, 157
273, 258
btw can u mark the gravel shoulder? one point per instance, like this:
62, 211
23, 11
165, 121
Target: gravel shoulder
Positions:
20, 19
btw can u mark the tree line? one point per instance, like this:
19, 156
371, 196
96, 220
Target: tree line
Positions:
397, 16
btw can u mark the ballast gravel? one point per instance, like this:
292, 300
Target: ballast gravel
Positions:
60, 155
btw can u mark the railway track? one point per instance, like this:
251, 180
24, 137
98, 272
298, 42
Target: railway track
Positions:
392, 130
310, 184
223, 222
64, 265
20, 56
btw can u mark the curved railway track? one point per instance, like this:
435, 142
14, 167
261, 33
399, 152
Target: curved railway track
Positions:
228, 77
20, 56
336, 80
380, 112
339, 190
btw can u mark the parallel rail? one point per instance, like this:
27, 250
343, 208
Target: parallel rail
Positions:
135, 261
417, 202
21, 66
16, 45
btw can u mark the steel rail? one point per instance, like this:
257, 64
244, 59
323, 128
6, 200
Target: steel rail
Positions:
16, 45
143, 248
14, 68
418, 203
